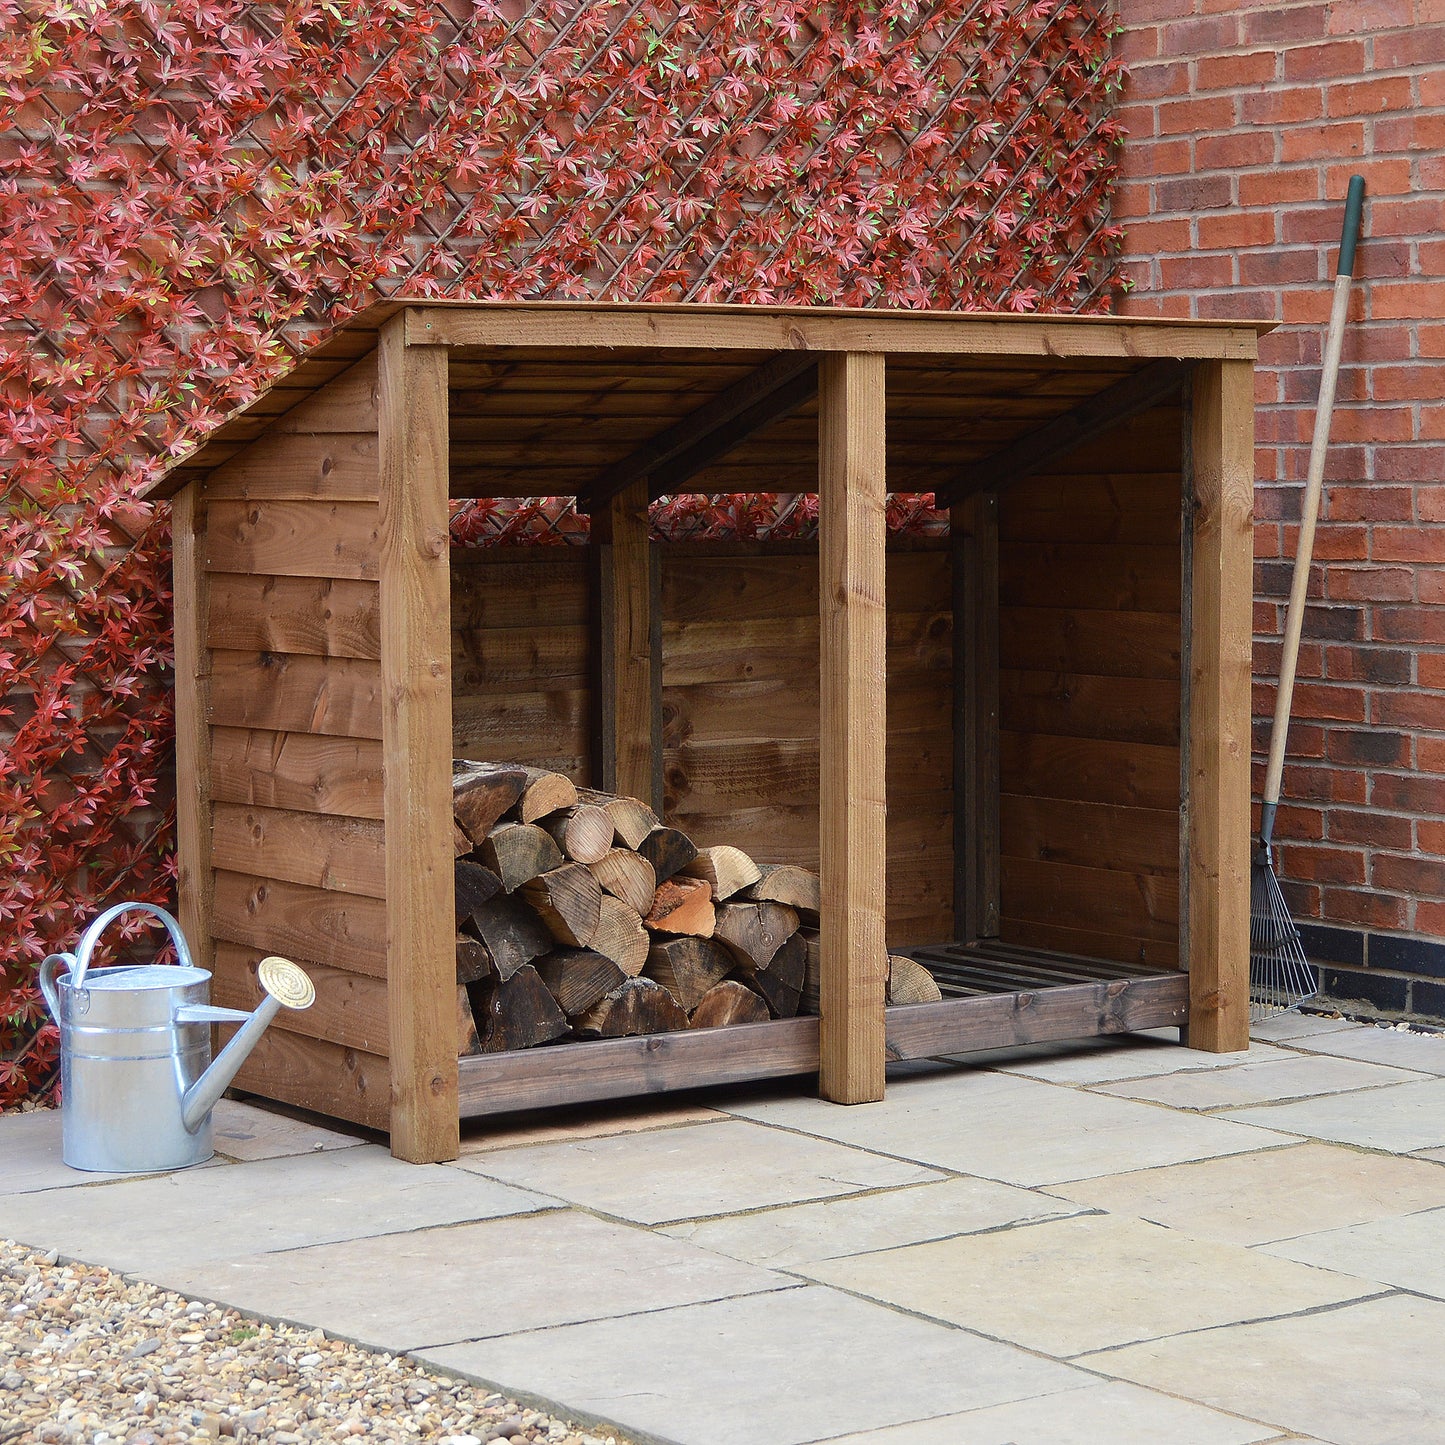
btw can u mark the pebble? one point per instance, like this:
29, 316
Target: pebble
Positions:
89, 1358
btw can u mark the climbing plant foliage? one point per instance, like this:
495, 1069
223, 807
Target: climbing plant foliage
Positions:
193, 192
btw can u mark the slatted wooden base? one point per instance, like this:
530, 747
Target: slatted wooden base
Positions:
995, 996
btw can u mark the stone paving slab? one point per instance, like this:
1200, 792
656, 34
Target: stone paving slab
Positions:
776, 1369
1365, 1374
1301, 1076
1250, 1199
273, 1204
1068, 1286
687, 1173
242, 1131
474, 1281
1112, 1413
1288, 1025
1400, 1119
1422, 1053
801, 1233
1408, 1250
1021, 1131
596, 1121
1134, 1057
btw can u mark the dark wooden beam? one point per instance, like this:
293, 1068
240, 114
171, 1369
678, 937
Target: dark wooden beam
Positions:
710, 431
1036, 449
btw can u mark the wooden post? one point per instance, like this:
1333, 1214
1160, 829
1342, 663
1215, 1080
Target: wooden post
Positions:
627, 677
1222, 446
973, 524
852, 491
195, 882
415, 605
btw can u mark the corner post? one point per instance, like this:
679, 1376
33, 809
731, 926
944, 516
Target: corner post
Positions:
417, 746
852, 493
1222, 590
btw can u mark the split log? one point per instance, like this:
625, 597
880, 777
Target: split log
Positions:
632, 820
569, 901
474, 963
620, 936
461, 840
626, 875
687, 967
753, 932
482, 792
729, 1002
812, 969
583, 832
781, 982
910, 982
637, 1006
682, 905
468, 1039
668, 851
515, 1014
578, 978
519, 852
512, 933
726, 869
475, 885
784, 883
545, 793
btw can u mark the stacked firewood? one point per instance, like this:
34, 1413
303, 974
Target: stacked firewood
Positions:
580, 914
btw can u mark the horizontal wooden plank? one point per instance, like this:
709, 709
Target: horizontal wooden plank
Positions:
620, 1068
1138, 905
1116, 507
295, 539
1099, 835
310, 925
1089, 575
1062, 704
294, 770
323, 616
350, 1008
1160, 953
548, 590
322, 1077
291, 692
1092, 770
347, 404
1098, 643
573, 765
339, 468
1000, 1021
518, 726
518, 656
342, 855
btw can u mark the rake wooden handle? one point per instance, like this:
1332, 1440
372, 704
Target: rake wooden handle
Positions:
1324, 410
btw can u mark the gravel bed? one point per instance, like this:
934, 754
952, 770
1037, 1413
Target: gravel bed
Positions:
89, 1356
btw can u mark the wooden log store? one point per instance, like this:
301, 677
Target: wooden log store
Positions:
1019, 754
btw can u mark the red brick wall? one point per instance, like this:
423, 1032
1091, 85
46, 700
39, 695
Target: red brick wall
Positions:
1245, 123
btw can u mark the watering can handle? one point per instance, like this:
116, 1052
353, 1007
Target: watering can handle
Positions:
48, 970
80, 960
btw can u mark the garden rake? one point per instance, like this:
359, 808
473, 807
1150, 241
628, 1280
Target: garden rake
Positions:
1279, 973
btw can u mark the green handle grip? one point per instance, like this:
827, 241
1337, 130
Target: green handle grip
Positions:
1354, 204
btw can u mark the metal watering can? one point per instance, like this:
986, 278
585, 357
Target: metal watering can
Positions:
137, 1080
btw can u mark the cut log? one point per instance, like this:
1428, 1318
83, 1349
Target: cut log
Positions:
519, 852
474, 886
569, 901
726, 869
781, 982
583, 832
687, 967
632, 820
620, 936
682, 905
578, 978
461, 840
512, 933
637, 1006
812, 942
729, 1002
668, 851
482, 792
784, 883
474, 963
628, 876
753, 932
545, 793
910, 982
468, 1040
515, 1014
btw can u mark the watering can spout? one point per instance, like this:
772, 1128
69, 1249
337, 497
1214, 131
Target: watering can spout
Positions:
286, 986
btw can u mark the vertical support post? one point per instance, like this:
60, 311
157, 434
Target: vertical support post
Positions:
195, 883
415, 605
973, 524
852, 493
1222, 447
627, 678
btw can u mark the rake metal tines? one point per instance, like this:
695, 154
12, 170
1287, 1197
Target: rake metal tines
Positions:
1280, 975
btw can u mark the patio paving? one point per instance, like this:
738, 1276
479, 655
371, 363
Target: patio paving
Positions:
1117, 1243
